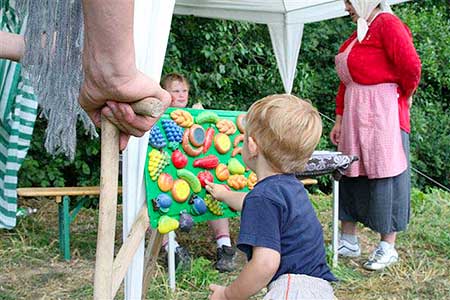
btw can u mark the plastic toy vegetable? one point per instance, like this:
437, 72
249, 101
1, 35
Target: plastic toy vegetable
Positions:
198, 205
236, 151
239, 138
209, 135
222, 143
237, 182
163, 202
197, 135
156, 139
180, 190
205, 176
179, 160
251, 181
207, 162
207, 117
240, 122
174, 133
222, 172
187, 147
186, 222
157, 161
165, 182
191, 179
226, 126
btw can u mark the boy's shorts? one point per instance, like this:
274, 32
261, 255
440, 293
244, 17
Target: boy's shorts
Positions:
299, 287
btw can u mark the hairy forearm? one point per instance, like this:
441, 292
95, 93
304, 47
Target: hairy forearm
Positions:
255, 275
12, 46
108, 52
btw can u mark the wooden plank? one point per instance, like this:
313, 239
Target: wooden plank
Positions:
151, 255
60, 191
129, 247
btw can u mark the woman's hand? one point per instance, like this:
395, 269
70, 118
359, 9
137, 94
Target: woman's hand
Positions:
111, 98
335, 133
218, 191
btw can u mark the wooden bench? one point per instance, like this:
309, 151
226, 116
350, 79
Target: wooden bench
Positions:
65, 214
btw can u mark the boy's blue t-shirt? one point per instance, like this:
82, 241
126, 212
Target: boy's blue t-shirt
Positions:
277, 214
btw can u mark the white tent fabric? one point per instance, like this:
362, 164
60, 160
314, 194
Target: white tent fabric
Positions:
151, 31
285, 19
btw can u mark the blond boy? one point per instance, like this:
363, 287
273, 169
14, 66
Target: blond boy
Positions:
279, 231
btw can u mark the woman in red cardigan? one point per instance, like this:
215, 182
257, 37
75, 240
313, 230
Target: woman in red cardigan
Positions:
379, 71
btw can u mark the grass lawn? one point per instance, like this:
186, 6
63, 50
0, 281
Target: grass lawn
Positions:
30, 266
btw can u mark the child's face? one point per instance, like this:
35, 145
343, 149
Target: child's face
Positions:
179, 92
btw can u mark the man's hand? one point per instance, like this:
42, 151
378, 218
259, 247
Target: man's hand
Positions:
112, 100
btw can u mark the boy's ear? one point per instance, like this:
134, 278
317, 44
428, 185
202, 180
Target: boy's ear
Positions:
252, 147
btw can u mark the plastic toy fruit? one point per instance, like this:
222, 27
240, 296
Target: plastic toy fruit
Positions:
163, 202
222, 172
205, 176
207, 162
197, 135
167, 224
157, 161
251, 181
213, 205
182, 118
222, 143
237, 182
174, 133
235, 167
198, 205
180, 190
186, 222
156, 139
165, 182
191, 179
179, 160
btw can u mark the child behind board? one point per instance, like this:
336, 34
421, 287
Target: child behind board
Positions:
279, 231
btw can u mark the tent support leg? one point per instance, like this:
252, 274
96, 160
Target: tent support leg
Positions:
151, 255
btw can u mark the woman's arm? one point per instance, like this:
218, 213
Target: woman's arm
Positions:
13, 46
255, 275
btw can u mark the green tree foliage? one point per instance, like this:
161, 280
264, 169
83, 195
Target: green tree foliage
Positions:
231, 64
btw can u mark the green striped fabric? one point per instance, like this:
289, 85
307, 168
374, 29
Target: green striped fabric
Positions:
18, 110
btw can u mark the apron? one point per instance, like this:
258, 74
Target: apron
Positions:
370, 125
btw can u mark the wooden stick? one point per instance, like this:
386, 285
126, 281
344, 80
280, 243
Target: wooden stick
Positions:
108, 198
129, 247
151, 255
107, 211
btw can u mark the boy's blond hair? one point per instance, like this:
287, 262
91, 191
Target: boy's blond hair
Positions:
286, 130
171, 77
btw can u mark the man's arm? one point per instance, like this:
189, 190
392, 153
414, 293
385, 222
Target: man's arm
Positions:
12, 46
111, 78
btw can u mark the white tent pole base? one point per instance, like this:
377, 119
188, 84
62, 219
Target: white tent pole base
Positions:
171, 255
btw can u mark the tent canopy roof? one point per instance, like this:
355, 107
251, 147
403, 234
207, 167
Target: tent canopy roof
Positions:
266, 11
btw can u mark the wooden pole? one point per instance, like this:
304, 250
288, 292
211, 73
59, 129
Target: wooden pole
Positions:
109, 172
151, 255
108, 198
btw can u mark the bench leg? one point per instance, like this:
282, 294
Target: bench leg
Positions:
64, 227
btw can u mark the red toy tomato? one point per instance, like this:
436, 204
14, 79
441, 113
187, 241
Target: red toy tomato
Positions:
179, 160
205, 176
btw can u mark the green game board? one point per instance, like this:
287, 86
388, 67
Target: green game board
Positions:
153, 190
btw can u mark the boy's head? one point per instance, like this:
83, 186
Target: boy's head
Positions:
286, 131
178, 87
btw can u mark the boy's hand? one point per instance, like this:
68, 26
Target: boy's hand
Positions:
218, 292
218, 191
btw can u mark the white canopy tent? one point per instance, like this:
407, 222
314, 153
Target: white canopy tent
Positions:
285, 19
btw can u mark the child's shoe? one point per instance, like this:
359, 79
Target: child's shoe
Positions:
348, 249
383, 256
